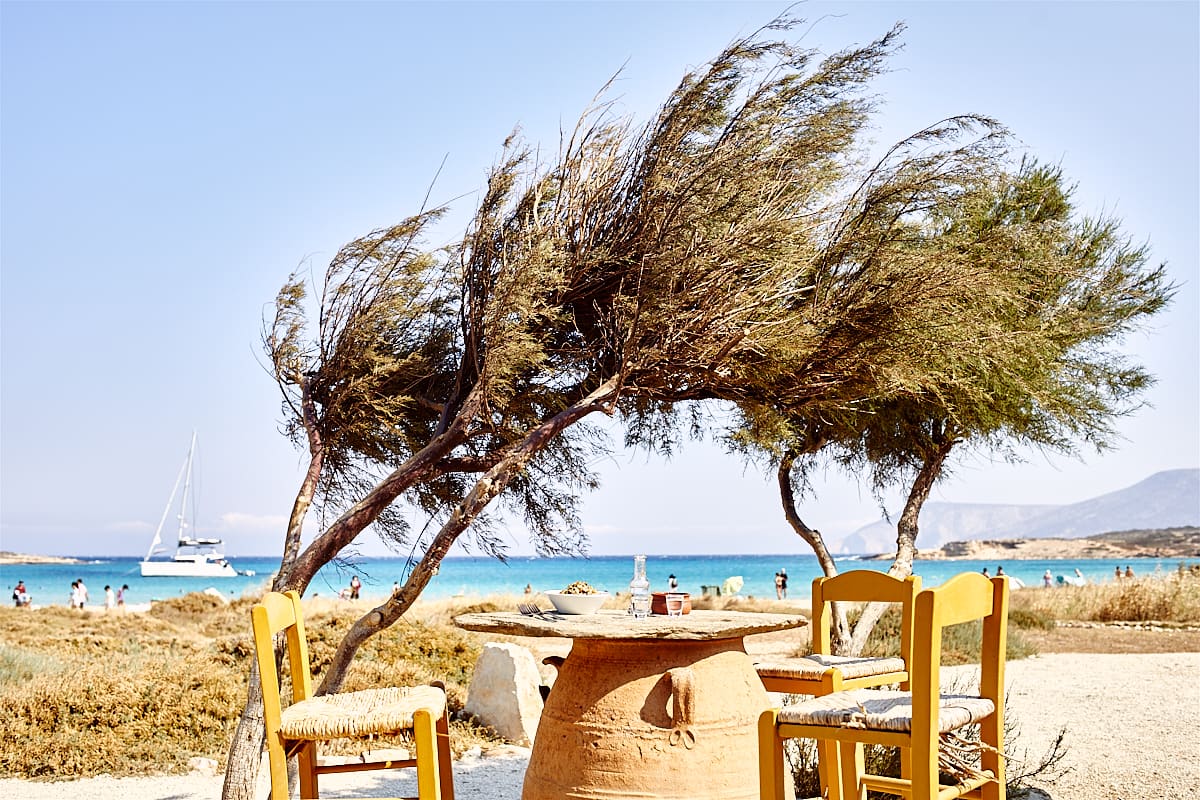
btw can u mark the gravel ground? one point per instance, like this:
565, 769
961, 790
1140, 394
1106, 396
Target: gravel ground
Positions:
1131, 735
1131, 721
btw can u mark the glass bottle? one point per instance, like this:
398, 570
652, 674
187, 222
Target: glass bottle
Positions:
639, 589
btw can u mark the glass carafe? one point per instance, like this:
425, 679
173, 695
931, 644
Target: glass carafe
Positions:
639, 589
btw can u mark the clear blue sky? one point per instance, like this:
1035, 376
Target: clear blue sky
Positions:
165, 165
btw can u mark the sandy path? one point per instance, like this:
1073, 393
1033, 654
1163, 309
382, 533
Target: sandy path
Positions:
1131, 735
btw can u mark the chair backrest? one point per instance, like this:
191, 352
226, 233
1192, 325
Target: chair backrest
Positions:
278, 612
862, 586
964, 598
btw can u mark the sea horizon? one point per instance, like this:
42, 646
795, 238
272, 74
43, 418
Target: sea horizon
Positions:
481, 576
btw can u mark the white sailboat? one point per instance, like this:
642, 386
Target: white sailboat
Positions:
194, 557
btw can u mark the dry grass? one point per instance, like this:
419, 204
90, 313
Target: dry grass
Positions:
135, 694
1168, 598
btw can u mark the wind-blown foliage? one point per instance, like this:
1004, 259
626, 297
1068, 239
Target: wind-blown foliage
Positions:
1033, 363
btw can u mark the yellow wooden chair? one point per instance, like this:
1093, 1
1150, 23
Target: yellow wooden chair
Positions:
911, 720
296, 730
823, 673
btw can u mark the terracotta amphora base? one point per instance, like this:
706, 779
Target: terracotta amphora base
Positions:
664, 719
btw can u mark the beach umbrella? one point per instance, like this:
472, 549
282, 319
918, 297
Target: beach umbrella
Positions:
732, 585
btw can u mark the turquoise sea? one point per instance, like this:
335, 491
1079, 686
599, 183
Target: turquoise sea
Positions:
50, 583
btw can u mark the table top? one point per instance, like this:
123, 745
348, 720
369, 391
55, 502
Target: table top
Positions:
610, 624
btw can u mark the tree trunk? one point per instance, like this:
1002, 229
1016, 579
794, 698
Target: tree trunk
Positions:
839, 632
245, 751
906, 537
489, 485
420, 466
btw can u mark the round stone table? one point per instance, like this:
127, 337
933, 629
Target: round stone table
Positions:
661, 707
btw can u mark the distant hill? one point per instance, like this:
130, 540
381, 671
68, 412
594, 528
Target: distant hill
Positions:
1164, 500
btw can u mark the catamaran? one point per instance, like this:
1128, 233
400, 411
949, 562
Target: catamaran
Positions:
194, 557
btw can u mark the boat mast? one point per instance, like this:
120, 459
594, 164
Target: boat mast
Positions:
187, 487
186, 467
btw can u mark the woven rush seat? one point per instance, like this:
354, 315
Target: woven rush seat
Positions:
812, 667
880, 710
360, 713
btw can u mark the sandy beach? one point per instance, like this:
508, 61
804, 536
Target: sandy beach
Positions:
1130, 720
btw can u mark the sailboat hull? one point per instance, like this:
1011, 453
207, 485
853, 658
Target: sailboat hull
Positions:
187, 569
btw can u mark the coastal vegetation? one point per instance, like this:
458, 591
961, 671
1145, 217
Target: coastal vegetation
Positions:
137, 694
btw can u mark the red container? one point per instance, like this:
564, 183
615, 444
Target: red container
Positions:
658, 602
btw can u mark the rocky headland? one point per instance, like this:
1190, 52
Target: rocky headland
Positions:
7, 557
1183, 542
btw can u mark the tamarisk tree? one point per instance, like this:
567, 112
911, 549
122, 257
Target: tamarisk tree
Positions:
1028, 360
702, 257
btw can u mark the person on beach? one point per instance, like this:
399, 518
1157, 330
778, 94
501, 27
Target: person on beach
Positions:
778, 586
528, 588
121, 595
21, 596
1117, 571
672, 584
783, 581
985, 573
75, 594
355, 586
83, 593
1128, 572
1048, 579
110, 599
999, 571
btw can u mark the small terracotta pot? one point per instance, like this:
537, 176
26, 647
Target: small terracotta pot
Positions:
658, 602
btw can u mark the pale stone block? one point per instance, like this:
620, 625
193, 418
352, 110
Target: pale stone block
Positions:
504, 691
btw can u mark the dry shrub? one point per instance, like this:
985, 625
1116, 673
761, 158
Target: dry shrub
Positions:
137, 716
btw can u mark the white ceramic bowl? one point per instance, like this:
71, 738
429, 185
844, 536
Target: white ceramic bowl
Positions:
577, 603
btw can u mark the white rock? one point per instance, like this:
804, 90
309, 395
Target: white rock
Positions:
203, 766
211, 592
504, 691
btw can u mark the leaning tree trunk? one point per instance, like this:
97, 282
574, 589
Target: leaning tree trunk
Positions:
839, 629
245, 751
489, 485
906, 539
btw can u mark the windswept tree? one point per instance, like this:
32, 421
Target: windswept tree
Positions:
704, 257
1030, 359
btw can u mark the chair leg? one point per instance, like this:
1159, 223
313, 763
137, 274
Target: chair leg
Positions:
306, 763
277, 761
770, 757
991, 736
829, 769
428, 784
445, 759
852, 766
925, 768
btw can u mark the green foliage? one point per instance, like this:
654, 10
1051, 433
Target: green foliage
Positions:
961, 644
18, 665
1029, 620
